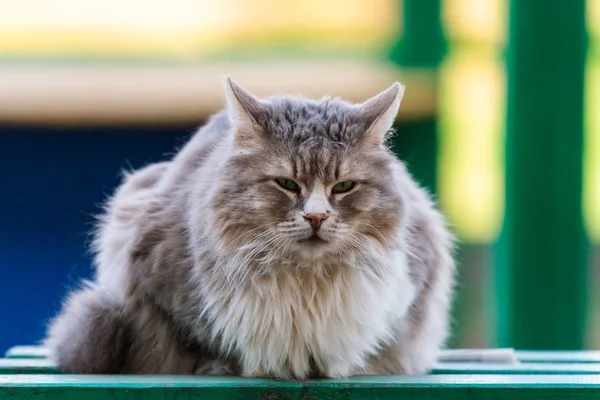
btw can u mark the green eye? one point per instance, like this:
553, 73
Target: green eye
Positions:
343, 187
288, 184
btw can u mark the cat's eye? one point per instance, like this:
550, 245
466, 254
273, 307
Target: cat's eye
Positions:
343, 187
288, 184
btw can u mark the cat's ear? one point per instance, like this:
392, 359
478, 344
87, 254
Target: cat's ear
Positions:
380, 112
243, 107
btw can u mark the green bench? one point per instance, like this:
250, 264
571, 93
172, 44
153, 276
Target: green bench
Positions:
29, 366
26, 372
432, 387
27, 352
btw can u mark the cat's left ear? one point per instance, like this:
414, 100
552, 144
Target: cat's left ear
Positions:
244, 108
380, 112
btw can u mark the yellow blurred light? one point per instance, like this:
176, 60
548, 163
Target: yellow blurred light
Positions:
591, 186
186, 27
471, 175
593, 18
476, 20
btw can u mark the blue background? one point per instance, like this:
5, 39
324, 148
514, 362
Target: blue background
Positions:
52, 182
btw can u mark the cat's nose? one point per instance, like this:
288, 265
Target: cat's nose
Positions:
315, 219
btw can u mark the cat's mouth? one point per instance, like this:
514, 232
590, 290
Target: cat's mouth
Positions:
314, 239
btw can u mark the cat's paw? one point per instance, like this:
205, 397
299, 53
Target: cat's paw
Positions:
215, 367
253, 372
338, 370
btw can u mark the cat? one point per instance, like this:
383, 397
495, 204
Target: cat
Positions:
284, 240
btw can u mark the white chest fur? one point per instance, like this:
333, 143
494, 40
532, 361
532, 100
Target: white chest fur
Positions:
338, 318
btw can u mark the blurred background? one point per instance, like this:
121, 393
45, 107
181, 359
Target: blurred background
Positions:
501, 121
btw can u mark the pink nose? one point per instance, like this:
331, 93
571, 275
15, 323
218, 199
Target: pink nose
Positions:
315, 219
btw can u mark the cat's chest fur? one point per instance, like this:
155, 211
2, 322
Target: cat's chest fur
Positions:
294, 322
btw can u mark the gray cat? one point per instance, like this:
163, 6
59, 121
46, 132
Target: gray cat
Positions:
284, 240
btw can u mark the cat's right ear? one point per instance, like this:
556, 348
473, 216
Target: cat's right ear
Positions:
244, 109
380, 112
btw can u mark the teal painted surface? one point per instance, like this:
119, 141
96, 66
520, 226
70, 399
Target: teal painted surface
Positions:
398, 381
517, 369
12, 366
541, 264
558, 357
27, 352
27, 366
390, 387
523, 356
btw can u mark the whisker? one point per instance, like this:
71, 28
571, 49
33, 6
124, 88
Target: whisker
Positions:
249, 257
234, 241
377, 231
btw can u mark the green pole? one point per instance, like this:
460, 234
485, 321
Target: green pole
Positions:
421, 46
541, 258
422, 43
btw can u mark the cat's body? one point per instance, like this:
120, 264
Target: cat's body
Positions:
210, 263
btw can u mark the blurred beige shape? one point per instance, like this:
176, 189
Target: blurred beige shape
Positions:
476, 20
112, 93
471, 182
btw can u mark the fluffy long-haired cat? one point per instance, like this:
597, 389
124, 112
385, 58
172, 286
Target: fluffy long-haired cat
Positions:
284, 240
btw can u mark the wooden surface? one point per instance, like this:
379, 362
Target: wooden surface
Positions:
496, 355
13, 366
537, 375
517, 369
496, 387
27, 352
585, 356
104, 93
451, 355
10, 366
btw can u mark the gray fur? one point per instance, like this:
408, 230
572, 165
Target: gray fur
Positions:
203, 265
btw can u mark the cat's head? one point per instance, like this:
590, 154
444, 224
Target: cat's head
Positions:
309, 178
